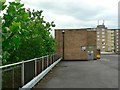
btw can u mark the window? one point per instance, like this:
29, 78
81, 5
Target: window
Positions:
98, 32
103, 39
98, 35
98, 39
116, 30
103, 29
103, 32
112, 32
112, 42
103, 36
98, 43
112, 36
103, 46
98, 46
103, 43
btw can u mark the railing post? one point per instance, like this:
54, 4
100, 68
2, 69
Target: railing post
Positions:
23, 73
13, 77
54, 57
35, 66
51, 59
47, 61
0, 78
42, 63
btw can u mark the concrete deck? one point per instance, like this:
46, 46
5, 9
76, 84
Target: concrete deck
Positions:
83, 74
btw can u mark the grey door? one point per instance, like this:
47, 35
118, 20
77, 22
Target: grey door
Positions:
90, 55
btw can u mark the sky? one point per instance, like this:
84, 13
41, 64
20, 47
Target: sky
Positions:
77, 13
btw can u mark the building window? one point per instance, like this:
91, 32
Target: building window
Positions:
103, 43
98, 32
98, 39
112, 31
103, 32
98, 47
98, 43
103, 36
98, 35
103, 29
103, 47
103, 39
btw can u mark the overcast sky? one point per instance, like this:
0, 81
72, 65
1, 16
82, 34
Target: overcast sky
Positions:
77, 13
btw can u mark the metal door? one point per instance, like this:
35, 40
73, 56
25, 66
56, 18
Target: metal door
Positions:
90, 55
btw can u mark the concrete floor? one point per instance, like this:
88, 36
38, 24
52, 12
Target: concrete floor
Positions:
101, 73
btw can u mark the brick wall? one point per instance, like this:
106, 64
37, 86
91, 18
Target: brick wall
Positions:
74, 39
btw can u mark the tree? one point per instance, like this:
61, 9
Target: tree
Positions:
25, 34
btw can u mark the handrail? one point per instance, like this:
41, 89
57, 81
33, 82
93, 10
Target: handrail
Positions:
38, 66
5, 66
35, 80
14, 64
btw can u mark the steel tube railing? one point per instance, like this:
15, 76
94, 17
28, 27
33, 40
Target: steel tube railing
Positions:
38, 65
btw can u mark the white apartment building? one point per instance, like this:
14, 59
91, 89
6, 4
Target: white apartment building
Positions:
107, 39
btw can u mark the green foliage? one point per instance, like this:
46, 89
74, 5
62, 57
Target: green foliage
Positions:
25, 34
2, 0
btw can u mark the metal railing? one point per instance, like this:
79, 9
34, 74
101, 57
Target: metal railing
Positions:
18, 74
